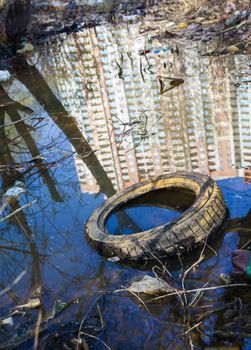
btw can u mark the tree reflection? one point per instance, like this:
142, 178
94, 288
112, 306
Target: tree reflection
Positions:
12, 109
12, 170
33, 80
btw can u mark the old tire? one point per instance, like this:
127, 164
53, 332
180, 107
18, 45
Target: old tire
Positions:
204, 218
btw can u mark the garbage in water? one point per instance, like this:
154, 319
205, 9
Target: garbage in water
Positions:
114, 259
150, 285
97, 97
58, 307
31, 304
196, 224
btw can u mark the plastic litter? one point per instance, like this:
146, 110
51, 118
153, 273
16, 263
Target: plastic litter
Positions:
113, 259
150, 285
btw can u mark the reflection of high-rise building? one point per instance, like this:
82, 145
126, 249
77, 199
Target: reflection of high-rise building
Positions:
217, 116
108, 77
243, 119
198, 115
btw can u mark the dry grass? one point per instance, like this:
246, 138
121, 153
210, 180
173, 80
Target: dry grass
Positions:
210, 8
192, 5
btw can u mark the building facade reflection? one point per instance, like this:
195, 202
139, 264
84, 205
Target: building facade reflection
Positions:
116, 83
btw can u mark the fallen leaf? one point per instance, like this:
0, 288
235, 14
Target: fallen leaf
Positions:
233, 20
26, 49
182, 25
199, 19
58, 307
233, 49
31, 304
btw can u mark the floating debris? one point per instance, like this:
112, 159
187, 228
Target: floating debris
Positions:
4, 75
31, 304
225, 278
28, 47
113, 259
150, 285
7, 321
59, 306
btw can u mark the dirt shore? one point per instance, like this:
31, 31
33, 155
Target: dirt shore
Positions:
33, 21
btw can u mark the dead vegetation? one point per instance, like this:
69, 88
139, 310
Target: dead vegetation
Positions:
195, 307
209, 8
223, 25
203, 20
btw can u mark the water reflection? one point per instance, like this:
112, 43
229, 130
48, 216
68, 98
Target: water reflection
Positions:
31, 150
155, 107
148, 211
34, 81
109, 107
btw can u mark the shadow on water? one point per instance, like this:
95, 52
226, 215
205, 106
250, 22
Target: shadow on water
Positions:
120, 126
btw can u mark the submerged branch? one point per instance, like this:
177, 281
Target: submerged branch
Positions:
188, 291
18, 210
13, 283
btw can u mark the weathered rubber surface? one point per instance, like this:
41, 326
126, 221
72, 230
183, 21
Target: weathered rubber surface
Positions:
204, 218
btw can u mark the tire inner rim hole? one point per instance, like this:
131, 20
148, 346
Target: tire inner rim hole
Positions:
150, 210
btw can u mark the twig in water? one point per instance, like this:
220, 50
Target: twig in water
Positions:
37, 329
201, 289
164, 268
136, 296
84, 318
19, 209
197, 297
199, 294
120, 72
141, 71
101, 318
189, 269
17, 121
94, 337
16, 280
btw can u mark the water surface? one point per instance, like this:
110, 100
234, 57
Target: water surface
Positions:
91, 114
153, 209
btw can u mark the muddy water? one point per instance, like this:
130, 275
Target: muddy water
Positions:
84, 117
